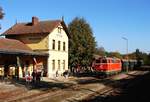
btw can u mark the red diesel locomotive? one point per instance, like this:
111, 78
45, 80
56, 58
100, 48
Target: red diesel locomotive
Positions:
107, 65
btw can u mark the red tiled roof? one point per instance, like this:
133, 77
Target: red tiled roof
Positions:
13, 45
29, 28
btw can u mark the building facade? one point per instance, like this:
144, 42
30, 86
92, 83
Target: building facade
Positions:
58, 51
45, 37
17, 59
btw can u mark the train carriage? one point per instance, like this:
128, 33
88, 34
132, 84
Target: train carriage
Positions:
107, 65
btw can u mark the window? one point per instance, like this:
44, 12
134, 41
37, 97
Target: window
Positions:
117, 61
109, 61
59, 29
59, 45
58, 64
64, 64
104, 61
113, 61
64, 46
53, 45
97, 61
53, 64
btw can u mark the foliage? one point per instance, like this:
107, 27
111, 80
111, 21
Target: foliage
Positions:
1, 13
132, 56
138, 55
148, 59
100, 51
81, 43
114, 54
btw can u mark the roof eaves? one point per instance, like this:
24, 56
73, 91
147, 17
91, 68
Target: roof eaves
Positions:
22, 52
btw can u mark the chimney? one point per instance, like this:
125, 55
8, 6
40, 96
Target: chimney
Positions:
35, 20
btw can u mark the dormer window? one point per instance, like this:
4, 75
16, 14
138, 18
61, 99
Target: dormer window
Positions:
59, 29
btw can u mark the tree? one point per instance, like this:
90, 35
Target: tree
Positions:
81, 43
132, 55
138, 54
1, 13
148, 59
141, 56
100, 51
114, 54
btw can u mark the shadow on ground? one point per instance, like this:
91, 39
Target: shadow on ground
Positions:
42, 85
133, 90
124, 93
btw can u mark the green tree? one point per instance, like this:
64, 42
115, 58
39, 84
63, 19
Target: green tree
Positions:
138, 54
114, 54
81, 43
148, 58
100, 51
132, 55
141, 56
1, 13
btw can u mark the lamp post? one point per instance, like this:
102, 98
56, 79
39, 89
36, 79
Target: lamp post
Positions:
124, 38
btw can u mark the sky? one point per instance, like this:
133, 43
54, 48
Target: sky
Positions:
110, 20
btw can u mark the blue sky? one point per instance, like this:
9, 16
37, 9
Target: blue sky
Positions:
110, 19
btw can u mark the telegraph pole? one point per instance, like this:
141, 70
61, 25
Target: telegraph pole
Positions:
124, 38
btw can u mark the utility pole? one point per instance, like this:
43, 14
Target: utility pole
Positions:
124, 38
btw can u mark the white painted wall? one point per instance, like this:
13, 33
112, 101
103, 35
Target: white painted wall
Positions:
55, 54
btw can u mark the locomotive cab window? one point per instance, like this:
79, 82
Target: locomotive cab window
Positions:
109, 61
117, 61
97, 61
113, 61
104, 61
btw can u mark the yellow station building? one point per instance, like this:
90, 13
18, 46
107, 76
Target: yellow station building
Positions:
48, 42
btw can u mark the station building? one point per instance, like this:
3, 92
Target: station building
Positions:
39, 45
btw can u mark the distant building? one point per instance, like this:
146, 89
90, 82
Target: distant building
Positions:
44, 37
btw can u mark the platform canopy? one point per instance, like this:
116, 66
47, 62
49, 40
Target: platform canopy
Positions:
15, 47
